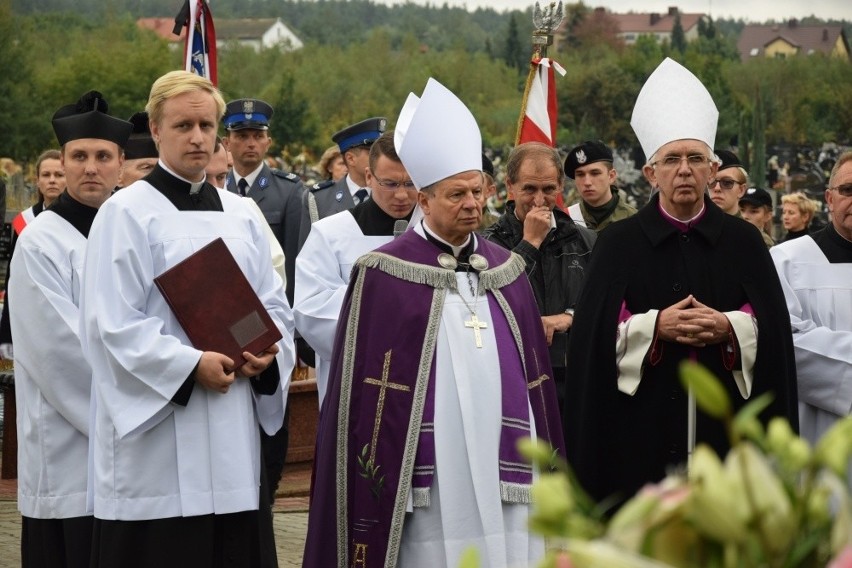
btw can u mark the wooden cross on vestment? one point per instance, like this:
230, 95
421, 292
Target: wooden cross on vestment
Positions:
384, 384
474, 323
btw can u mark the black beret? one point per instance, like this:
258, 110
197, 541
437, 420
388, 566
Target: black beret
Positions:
729, 159
487, 165
140, 144
756, 196
585, 153
361, 133
88, 118
247, 113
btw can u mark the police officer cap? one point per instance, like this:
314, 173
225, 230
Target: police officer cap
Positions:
140, 144
729, 159
585, 153
487, 165
362, 133
756, 196
247, 113
88, 118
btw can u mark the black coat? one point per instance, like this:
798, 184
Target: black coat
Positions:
617, 443
556, 270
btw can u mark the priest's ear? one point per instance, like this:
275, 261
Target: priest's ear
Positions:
424, 196
650, 174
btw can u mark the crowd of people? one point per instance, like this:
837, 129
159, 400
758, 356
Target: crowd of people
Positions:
440, 337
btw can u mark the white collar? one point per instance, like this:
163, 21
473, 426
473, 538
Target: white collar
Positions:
249, 178
456, 248
354, 187
194, 186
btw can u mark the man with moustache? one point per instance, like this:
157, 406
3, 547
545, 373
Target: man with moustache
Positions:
680, 280
176, 469
335, 243
53, 390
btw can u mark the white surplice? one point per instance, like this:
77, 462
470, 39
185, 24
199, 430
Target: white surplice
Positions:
52, 378
819, 298
153, 458
323, 268
466, 509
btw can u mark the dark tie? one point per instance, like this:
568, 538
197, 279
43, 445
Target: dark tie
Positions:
242, 185
361, 196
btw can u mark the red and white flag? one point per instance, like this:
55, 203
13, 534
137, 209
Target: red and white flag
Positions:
200, 48
538, 122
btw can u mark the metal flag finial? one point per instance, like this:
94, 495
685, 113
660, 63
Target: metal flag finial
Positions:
546, 21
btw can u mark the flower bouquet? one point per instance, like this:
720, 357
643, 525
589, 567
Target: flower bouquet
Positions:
773, 502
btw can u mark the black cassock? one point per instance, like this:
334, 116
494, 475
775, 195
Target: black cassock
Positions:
616, 443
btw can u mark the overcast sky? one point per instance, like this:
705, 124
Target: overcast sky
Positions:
750, 10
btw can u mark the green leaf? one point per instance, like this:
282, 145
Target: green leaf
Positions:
710, 396
755, 406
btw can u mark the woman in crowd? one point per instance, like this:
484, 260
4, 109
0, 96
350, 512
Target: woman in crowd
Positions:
798, 212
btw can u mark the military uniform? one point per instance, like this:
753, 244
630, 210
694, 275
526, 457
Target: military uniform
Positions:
579, 212
584, 154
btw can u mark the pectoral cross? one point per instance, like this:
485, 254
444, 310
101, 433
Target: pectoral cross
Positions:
476, 325
384, 384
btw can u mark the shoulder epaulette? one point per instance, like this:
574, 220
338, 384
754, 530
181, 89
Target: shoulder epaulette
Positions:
322, 185
284, 175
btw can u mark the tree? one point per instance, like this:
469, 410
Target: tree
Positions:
515, 53
597, 28
678, 37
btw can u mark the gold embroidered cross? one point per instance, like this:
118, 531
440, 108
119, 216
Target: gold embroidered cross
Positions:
537, 382
383, 385
474, 323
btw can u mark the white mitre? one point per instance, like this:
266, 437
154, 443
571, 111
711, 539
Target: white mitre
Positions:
673, 105
436, 136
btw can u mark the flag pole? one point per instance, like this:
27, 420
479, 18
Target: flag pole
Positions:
545, 23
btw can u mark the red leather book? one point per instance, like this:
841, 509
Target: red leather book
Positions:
215, 304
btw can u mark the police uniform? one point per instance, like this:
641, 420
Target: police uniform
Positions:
278, 194
329, 197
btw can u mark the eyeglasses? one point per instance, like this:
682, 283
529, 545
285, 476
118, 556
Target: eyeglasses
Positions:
726, 184
672, 162
394, 185
844, 189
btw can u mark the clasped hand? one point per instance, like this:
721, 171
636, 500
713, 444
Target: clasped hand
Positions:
692, 323
212, 372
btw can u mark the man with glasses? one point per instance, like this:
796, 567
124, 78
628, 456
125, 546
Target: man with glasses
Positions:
336, 242
816, 275
555, 249
678, 281
730, 183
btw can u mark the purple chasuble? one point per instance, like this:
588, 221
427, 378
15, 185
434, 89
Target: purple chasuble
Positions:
375, 442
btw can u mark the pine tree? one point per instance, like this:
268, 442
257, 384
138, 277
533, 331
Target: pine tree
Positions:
514, 52
678, 37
